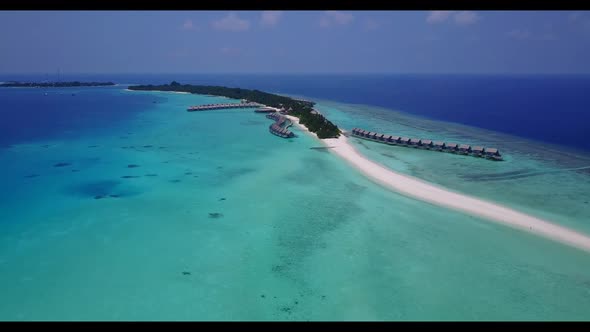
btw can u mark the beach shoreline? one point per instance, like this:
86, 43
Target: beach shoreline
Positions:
427, 192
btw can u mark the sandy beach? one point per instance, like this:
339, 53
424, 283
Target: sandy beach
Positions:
433, 194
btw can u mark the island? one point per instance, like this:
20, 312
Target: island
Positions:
301, 109
15, 84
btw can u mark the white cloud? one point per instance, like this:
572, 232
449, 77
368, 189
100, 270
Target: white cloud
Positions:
525, 34
231, 22
519, 34
188, 25
466, 17
270, 17
371, 24
333, 17
438, 16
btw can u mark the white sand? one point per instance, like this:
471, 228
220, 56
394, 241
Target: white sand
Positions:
424, 191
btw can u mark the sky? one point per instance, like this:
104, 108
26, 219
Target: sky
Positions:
429, 42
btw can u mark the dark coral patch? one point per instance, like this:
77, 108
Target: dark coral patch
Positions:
215, 215
129, 176
31, 176
75, 170
222, 199
92, 146
132, 166
175, 181
61, 164
100, 189
186, 273
147, 146
188, 173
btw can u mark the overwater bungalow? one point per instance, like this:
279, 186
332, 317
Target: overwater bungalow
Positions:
265, 110
426, 144
492, 153
394, 140
451, 147
464, 149
438, 145
414, 142
477, 151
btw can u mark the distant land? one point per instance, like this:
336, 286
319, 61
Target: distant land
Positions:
53, 84
302, 109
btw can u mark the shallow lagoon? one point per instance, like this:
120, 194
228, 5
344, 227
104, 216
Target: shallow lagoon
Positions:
221, 220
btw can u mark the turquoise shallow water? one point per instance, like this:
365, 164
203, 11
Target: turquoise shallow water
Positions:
552, 182
223, 221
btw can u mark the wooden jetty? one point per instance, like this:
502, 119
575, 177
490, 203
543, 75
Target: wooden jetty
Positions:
266, 110
426, 144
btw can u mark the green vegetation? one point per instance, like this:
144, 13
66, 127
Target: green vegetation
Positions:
53, 84
315, 122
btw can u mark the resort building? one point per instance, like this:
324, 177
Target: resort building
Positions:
426, 144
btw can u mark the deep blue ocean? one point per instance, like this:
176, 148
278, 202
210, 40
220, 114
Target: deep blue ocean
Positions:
553, 109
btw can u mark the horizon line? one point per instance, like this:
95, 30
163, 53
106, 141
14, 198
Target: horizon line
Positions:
293, 73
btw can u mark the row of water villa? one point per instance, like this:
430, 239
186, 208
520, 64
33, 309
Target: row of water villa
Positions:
210, 107
426, 144
279, 127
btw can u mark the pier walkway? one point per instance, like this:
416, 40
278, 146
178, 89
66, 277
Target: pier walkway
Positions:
426, 144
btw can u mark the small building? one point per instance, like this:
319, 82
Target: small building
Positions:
464, 148
492, 153
404, 140
426, 143
450, 147
477, 151
394, 139
438, 145
382, 138
414, 142
265, 110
